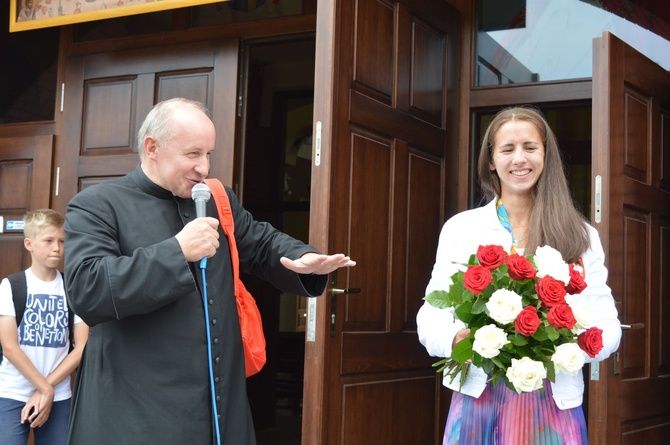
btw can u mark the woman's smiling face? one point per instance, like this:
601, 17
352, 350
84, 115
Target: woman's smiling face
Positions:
518, 158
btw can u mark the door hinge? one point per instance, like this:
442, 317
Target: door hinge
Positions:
595, 371
317, 144
62, 96
311, 319
598, 201
57, 180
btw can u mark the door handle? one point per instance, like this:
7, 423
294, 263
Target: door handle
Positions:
632, 327
349, 290
334, 292
616, 363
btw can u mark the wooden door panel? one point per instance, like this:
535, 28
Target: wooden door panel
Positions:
382, 174
398, 399
192, 83
662, 269
427, 87
636, 414
25, 184
637, 150
631, 96
643, 435
108, 115
376, 352
107, 165
373, 48
665, 151
636, 265
423, 219
369, 230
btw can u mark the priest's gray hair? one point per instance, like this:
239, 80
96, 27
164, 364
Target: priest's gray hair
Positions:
157, 123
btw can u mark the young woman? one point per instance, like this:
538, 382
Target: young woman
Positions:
522, 176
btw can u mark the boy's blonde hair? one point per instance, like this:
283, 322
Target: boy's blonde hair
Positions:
38, 220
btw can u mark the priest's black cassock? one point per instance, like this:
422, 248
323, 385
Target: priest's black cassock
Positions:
143, 377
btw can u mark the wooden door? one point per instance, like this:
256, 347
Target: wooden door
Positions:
631, 156
384, 125
108, 95
25, 184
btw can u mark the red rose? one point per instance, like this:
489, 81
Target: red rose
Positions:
551, 291
491, 257
520, 267
527, 321
591, 341
577, 283
561, 316
476, 279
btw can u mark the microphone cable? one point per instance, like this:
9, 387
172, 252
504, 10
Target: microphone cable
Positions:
203, 267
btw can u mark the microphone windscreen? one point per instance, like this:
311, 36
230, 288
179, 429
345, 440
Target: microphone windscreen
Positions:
200, 192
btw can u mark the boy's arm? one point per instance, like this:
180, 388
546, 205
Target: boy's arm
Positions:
71, 361
12, 352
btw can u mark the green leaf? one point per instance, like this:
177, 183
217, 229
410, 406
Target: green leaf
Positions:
540, 335
488, 365
464, 312
458, 294
479, 306
478, 320
438, 298
509, 384
505, 358
518, 339
552, 333
496, 361
441, 364
551, 372
464, 375
462, 351
451, 369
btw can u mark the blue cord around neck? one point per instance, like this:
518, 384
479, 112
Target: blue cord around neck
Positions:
203, 266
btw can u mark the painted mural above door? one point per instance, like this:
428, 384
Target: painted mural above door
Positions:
34, 14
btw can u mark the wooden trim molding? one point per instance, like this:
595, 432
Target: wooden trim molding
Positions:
545, 92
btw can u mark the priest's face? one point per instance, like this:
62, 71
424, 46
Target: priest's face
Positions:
182, 160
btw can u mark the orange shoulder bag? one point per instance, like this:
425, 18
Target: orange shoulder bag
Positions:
251, 324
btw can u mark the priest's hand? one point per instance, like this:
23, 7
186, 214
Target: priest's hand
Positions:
199, 238
316, 263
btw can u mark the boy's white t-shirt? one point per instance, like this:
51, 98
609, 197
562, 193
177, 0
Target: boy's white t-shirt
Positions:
43, 335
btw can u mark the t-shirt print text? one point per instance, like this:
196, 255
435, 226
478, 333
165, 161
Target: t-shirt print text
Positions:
44, 321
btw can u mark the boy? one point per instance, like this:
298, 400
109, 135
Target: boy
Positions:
35, 389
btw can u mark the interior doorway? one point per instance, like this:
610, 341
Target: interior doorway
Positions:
571, 124
276, 116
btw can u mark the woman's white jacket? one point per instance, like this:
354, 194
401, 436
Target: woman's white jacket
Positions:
459, 238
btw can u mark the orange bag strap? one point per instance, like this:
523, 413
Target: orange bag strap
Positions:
226, 218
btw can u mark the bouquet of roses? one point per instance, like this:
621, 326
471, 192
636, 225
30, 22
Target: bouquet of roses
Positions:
526, 318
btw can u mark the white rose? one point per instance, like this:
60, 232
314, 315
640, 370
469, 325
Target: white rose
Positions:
550, 262
504, 306
568, 358
581, 310
526, 374
489, 340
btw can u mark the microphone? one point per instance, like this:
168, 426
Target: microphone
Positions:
200, 194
